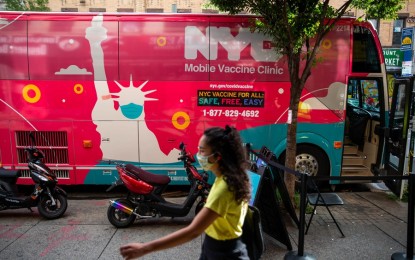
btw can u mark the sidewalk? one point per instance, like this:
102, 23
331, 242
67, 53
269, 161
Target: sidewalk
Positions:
374, 226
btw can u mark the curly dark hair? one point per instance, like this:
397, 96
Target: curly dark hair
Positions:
226, 143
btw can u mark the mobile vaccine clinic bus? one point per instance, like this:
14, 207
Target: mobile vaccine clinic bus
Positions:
131, 87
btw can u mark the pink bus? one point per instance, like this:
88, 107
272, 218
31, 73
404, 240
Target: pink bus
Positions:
131, 87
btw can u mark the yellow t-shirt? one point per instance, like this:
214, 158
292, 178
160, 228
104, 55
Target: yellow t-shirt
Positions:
232, 214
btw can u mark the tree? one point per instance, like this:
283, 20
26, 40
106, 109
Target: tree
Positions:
27, 5
291, 34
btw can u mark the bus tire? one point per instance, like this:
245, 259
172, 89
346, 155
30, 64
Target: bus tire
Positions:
313, 161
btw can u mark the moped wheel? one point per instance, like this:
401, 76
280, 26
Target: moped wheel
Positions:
49, 211
119, 218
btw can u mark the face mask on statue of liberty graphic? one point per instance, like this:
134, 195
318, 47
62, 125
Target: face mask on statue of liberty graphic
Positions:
131, 110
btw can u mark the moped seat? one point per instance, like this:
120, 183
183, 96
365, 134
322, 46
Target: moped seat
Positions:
6, 173
148, 177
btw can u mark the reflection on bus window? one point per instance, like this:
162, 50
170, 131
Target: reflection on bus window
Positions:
353, 95
399, 106
364, 93
370, 95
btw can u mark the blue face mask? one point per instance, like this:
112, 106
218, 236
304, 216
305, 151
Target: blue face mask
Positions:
204, 161
131, 111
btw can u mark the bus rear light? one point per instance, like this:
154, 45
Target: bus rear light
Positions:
338, 144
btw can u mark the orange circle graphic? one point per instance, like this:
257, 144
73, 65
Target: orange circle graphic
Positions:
30, 98
178, 115
78, 88
161, 41
326, 44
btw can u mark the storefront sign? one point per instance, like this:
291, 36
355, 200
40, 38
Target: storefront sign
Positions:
407, 47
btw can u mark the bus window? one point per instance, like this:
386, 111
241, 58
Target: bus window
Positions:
13, 49
353, 94
399, 107
364, 93
365, 55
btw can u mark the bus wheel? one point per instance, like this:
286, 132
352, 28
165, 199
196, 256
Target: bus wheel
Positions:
313, 161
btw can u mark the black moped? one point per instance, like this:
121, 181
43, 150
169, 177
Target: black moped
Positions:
50, 199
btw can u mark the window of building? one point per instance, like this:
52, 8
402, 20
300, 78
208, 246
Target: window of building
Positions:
210, 11
398, 24
184, 10
67, 9
375, 23
97, 10
125, 10
154, 10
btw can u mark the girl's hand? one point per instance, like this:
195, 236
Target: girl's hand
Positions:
132, 250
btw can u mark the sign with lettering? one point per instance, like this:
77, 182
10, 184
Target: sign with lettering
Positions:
410, 19
407, 39
407, 47
224, 98
393, 58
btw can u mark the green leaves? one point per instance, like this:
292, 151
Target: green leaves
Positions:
290, 23
375, 9
27, 5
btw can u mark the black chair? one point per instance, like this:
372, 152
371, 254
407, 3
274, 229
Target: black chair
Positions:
316, 198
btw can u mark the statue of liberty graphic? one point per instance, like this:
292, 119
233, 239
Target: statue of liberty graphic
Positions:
124, 132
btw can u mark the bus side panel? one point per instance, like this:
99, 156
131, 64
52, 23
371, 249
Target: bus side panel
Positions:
136, 97
319, 135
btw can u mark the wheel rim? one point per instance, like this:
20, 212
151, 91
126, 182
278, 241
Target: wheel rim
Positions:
306, 163
51, 208
120, 215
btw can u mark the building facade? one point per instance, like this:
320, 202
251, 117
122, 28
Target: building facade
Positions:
390, 33
389, 30
2, 5
141, 6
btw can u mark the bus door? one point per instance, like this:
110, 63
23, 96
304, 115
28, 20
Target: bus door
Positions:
398, 137
365, 112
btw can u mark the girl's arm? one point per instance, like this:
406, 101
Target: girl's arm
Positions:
201, 221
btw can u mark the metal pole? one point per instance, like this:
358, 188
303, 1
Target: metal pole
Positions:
300, 253
411, 201
410, 234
